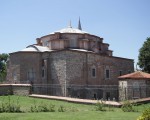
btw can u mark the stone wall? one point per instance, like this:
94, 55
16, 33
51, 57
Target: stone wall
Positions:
79, 72
65, 68
5, 89
21, 64
72, 70
133, 89
15, 89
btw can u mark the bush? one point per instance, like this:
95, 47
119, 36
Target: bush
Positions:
61, 109
10, 106
51, 108
145, 115
99, 106
128, 107
34, 107
42, 108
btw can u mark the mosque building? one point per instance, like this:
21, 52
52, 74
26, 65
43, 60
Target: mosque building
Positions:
69, 62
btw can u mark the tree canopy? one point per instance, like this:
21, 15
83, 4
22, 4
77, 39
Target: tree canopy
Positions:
144, 56
3, 60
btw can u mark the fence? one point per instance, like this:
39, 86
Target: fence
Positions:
106, 92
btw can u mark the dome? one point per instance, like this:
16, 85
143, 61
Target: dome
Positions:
70, 30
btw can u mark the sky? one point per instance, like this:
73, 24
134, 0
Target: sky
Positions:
124, 24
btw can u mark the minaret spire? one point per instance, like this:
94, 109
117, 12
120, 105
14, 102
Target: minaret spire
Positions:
79, 25
70, 26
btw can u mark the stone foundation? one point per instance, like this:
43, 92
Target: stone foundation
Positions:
15, 89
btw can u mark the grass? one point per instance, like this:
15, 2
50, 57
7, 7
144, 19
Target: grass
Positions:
73, 111
70, 116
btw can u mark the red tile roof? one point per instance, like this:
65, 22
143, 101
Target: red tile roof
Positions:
136, 75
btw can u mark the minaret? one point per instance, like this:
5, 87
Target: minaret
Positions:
79, 25
69, 26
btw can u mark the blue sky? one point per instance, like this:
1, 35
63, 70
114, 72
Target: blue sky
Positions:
124, 24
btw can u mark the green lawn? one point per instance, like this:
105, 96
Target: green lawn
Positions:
73, 111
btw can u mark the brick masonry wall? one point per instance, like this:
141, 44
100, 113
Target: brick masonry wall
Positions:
133, 89
70, 67
15, 89
5, 90
57, 72
20, 63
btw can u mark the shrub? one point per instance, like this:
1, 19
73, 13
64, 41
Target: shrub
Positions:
51, 108
61, 109
43, 108
99, 106
145, 115
10, 106
34, 107
128, 107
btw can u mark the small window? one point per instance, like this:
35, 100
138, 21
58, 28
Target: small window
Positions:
14, 75
107, 74
120, 72
93, 72
43, 73
45, 43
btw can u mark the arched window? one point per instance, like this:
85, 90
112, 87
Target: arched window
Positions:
120, 72
43, 73
93, 71
107, 72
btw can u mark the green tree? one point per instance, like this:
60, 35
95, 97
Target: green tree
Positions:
3, 72
144, 56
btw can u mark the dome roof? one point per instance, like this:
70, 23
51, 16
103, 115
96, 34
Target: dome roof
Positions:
70, 30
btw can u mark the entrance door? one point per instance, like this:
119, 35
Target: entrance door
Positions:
95, 96
108, 95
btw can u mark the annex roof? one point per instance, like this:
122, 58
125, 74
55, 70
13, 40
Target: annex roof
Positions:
35, 48
136, 75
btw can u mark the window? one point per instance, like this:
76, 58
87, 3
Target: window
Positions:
45, 43
31, 74
120, 72
107, 74
43, 73
14, 75
93, 72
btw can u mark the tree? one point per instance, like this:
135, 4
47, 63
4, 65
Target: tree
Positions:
3, 60
144, 56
